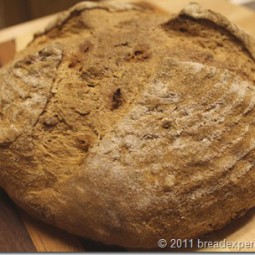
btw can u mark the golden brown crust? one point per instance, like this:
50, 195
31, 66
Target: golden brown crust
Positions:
137, 139
21, 105
197, 12
111, 6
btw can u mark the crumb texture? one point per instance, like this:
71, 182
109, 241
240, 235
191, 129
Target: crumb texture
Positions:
123, 125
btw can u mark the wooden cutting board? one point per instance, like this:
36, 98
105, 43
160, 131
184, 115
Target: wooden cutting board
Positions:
21, 233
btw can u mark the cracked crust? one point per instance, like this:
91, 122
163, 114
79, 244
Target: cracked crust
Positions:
197, 12
21, 105
126, 140
111, 6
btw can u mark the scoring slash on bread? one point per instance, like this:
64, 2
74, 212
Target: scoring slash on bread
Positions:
125, 126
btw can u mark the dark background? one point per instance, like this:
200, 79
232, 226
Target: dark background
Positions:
13, 12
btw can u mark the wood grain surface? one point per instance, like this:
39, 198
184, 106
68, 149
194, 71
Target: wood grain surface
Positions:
7, 51
21, 233
13, 234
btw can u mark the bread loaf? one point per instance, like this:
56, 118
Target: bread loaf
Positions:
126, 126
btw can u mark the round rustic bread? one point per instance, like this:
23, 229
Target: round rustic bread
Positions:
126, 126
